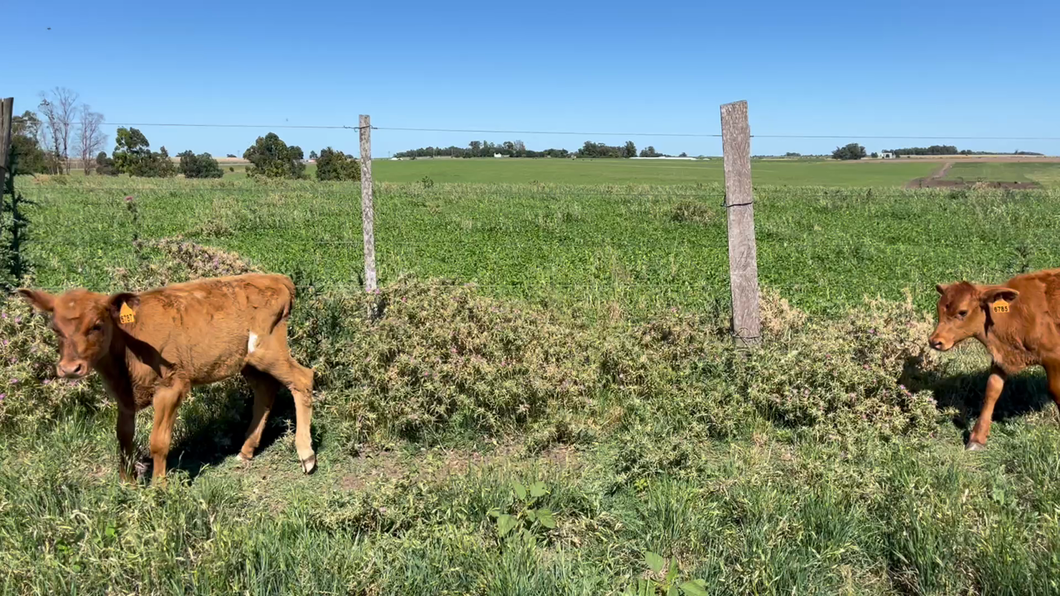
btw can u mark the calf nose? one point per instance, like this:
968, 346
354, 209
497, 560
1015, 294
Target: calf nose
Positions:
75, 370
935, 344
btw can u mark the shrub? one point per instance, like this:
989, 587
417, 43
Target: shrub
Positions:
336, 165
105, 165
199, 166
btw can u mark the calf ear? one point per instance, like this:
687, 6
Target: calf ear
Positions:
117, 300
992, 294
38, 299
940, 288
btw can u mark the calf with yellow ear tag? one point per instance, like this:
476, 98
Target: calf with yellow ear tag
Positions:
152, 348
1018, 323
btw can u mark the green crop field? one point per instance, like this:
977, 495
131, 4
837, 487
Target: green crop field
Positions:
544, 397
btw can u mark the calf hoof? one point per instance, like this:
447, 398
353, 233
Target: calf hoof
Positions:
974, 446
243, 459
309, 464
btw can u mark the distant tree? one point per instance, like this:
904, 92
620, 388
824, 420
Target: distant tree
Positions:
90, 137
874, 155
336, 165
105, 165
792, 154
59, 108
27, 156
312, 155
199, 166
272, 158
649, 151
849, 152
683, 154
133, 156
631, 149
231, 155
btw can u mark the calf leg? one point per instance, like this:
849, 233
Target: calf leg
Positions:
265, 388
273, 357
126, 430
166, 401
994, 385
1052, 371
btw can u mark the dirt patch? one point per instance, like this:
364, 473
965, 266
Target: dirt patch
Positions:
930, 182
937, 179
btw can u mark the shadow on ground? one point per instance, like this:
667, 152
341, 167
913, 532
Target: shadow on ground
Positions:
1024, 393
213, 426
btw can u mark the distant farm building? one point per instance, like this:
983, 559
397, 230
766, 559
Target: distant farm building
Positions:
887, 155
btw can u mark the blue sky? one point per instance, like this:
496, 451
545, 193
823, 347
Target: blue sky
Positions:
933, 67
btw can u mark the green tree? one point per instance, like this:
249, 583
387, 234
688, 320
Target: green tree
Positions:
849, 152
272, 158
199, 166
131, 152
649, 151
336, 165
133, 156
631, 149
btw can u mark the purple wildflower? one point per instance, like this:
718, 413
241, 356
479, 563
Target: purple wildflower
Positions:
14, 381
129, 199
2, 396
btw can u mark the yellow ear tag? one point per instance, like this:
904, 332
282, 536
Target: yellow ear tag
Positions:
127, 314
1000, 306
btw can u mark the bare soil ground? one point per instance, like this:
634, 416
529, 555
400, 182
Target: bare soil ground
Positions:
937, 179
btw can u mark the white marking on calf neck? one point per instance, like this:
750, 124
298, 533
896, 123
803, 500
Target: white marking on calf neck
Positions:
252, 342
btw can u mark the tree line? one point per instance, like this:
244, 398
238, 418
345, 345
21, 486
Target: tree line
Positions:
64, 131
518, 149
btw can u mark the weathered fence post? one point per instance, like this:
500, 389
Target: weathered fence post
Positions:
6, 123
739, 203
367, 209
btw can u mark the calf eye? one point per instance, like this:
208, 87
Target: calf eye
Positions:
97, 328
962, 314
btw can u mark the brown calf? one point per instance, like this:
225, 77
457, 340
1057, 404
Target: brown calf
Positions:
152, 348
1019, 323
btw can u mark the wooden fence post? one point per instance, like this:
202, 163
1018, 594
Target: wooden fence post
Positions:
6, 123
739, 203
367, 209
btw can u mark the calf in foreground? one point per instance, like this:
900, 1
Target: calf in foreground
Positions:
152, 348
1019, 323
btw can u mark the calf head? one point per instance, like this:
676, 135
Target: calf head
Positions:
85, 324
964, 311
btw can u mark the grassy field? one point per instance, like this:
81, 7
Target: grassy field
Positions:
591, 357
623, 171
620, 171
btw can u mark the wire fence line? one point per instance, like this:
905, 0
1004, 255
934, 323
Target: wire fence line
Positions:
348, 239
910, 137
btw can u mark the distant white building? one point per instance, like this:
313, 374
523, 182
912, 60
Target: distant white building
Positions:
887, 155
497, 155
